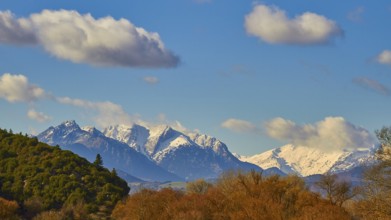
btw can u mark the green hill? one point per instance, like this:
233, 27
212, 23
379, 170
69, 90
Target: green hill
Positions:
54, 178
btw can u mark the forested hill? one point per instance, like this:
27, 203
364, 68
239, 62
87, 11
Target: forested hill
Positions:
40, 177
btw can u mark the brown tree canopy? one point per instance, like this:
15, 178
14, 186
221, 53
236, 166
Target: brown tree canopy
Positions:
234, 196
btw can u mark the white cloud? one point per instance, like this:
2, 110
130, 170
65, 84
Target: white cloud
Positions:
384, 57
330, 134
272, 25
239, 126
15, 31
107, 113
38, 116
151, 79
16, 88
83, 39
372, 85
162, 119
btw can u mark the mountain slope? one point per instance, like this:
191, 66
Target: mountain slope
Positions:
189, 156
306, 161
53, 177
88, 142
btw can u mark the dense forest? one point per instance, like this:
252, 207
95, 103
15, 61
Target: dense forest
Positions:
38, 180
41, 182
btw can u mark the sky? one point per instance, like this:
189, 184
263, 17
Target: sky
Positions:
254, 74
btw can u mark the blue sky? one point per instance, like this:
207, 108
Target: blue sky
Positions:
227, 68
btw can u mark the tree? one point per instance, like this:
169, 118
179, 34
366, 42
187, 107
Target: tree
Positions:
384, 152
336, 191
114, 172
8, 209
33, 206
199, 186
98, 161
375, 202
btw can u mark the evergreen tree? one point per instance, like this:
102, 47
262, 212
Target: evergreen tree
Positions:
114, 172
98, 160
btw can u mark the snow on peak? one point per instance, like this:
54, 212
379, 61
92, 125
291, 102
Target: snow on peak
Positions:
89, 129
207, 141
159, 130
134, 136
162, 137
67, 127
203, 140
92, 130
70, 123
307, 161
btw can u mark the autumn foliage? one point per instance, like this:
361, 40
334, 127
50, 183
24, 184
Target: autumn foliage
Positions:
234, 196
8, 209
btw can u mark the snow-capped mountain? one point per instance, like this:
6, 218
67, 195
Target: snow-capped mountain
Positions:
88, 141
306, 161
135, 136
189, 156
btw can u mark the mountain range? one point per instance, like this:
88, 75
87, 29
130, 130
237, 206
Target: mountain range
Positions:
307, 161
161, 153
158, 153
88, 142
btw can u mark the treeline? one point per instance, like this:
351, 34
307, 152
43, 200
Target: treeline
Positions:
38, 181
234, 196
252, 196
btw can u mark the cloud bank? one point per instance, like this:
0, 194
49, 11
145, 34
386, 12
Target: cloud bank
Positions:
16, 88
83, 39
372, 85
239, 126
330, 134
107, 113
38, 116
15, 31
384, 57
272, 25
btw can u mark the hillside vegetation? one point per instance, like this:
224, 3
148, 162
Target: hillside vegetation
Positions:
35, 177
234, 196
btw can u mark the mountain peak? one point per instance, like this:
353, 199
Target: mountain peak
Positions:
92, 130
69, 124
306, 161
160, 130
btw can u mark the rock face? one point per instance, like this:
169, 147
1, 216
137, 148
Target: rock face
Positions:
306, 161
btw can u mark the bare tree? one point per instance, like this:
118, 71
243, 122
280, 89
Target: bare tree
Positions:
336, 191
199, 186
375, 202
